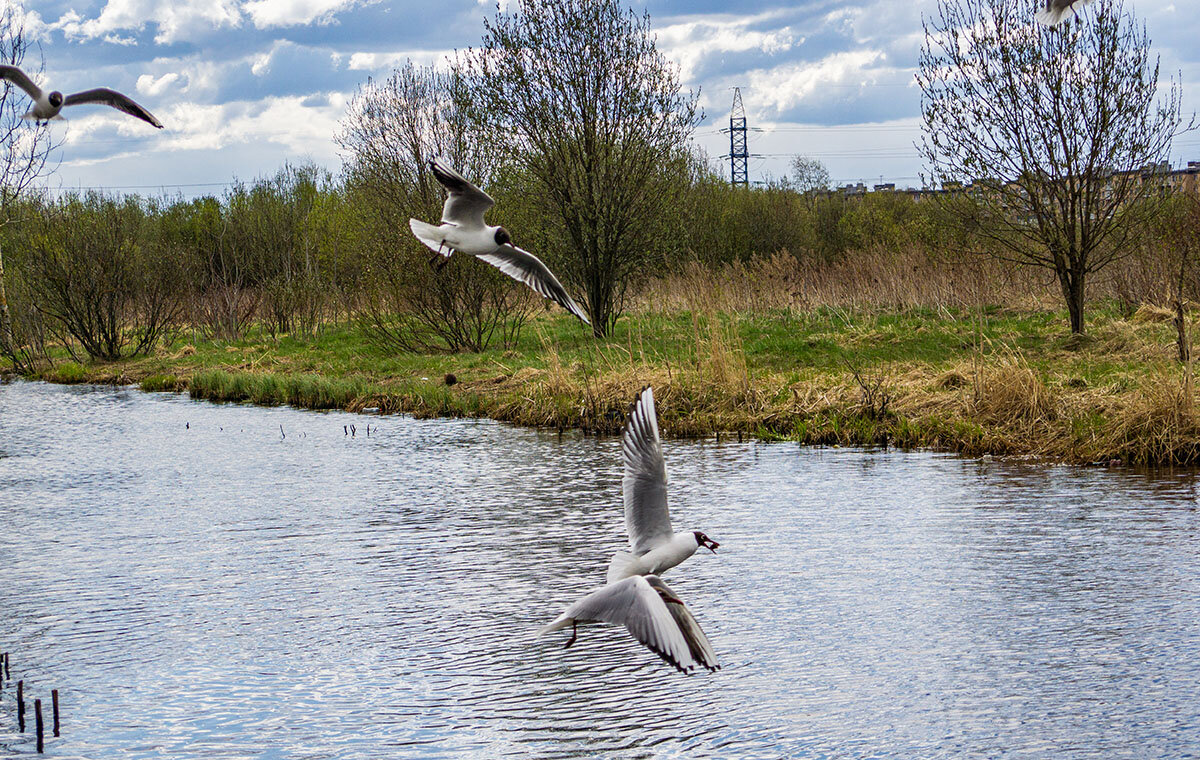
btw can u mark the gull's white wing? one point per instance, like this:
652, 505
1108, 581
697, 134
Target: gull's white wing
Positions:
645, 481
635, 604
1057, 10
106, 97
702, 651
524, 267
466, 204
18, 77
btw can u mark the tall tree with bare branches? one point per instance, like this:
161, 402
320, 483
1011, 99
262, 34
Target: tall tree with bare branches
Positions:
25, 150
596, 114
1052, 129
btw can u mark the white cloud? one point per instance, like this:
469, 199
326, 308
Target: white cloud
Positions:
378, 61
175, 20
690, 41
269, 13
148, 84
783, 87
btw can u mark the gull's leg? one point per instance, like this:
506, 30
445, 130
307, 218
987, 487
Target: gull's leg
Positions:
574, 633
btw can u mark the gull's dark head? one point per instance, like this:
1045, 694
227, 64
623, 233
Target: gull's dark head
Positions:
502, 236
55, 98
705, 541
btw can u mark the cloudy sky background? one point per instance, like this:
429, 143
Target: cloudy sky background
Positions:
247, 85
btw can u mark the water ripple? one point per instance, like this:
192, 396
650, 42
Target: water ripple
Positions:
195, 585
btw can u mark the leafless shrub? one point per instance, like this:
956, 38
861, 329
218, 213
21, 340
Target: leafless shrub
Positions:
93, 279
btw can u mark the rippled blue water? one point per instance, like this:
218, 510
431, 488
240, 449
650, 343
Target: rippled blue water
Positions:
198, 585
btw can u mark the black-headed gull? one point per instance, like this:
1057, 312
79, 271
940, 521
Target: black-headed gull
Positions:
463, 229
655, 547
1057, 10
652, 612
634, 595
46, 106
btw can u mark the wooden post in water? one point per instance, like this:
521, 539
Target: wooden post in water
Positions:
37, 719
21, 706
54, 698
6, 673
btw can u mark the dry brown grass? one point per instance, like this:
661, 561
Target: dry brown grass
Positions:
871, 280
1012, 394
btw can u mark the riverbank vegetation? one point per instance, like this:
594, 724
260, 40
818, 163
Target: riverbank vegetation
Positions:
789, 310
872, 349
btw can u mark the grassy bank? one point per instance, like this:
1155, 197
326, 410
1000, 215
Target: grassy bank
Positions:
1006, 382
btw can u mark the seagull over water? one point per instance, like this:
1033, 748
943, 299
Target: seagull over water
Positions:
48, 105
1057, 10
463, 229
635, 596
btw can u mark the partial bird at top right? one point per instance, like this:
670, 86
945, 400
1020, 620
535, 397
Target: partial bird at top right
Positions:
1057, 10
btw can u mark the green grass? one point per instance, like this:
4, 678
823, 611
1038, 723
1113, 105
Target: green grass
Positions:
774, 375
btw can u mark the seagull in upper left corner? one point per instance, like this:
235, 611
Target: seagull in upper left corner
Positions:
1057, 10
463, 229
48, 105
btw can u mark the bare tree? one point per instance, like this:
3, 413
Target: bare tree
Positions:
597, 115
100, 279
392, 130
25, 151
809, 175
1047, 131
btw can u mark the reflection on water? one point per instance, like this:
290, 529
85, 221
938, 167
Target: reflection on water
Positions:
198, 585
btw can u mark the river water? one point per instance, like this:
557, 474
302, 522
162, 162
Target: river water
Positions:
223, 581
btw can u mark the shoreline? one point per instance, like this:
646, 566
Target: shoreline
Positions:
1032, 395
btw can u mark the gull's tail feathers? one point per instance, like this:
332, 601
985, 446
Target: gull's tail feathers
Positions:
430, 235
618, 567
562, 622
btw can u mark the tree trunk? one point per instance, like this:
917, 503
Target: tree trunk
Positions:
6, 337
1072, 290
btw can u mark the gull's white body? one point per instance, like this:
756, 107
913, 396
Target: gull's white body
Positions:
473, 239
664, 556
44, 110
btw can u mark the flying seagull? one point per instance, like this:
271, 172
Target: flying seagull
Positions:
1057, 10
46, 106
463, 229
652, 612
655, 547
634, 595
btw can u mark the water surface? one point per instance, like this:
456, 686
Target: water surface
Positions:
198, 583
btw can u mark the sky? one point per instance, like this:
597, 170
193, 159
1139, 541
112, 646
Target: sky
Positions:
244, 86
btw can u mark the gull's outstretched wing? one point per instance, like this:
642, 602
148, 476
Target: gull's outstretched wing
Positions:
645, 481
529, 269
702, 651
107, 97
1057, 10
466, 204
638, 606
18, 77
